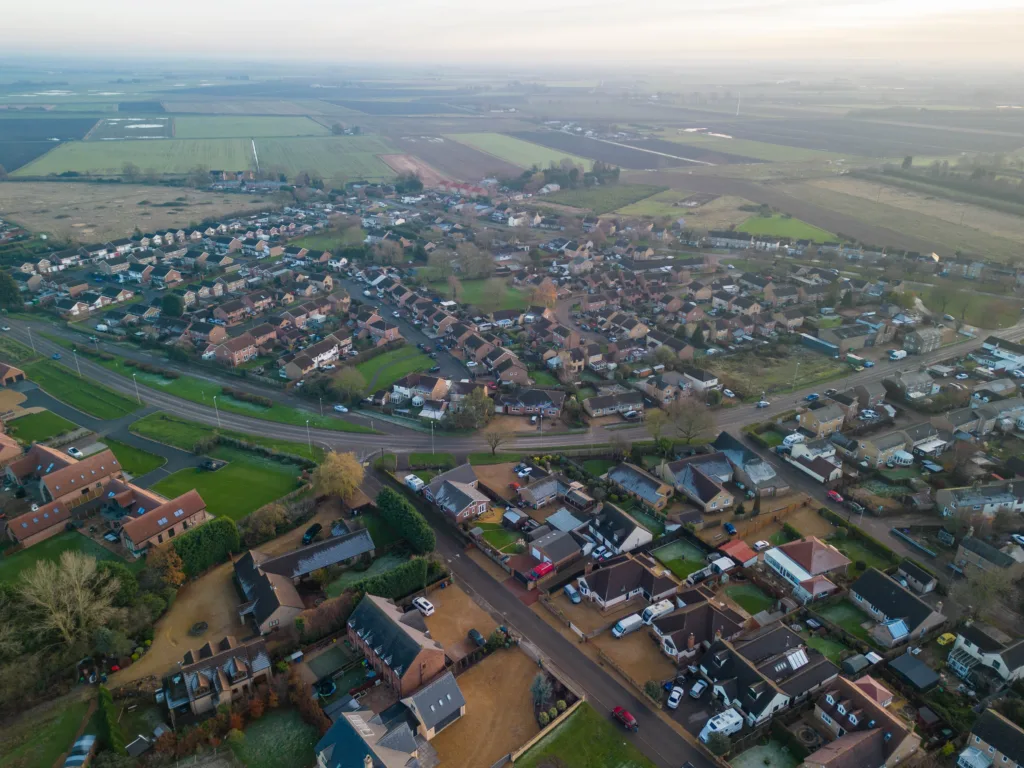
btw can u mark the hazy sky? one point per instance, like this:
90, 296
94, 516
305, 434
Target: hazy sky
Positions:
526, 30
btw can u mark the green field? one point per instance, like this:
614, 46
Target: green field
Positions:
50, 549
244, 127
680, 557
781, 226
749, 598
751, 373
476, 292
981, 310
525, 154
384, 370
331, 241
245, 484
37, 742
37, 427
587, 738
658, 205
81, 393
134, 461
183, 434
107, 158
333, 158
603, 199
279, 739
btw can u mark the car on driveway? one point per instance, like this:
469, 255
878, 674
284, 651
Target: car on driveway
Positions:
75, 453
477, 638
834, 496
471, 363
728, 393
1016, 537
762, 545
698, 689
729, 528
396, 314
423, 605
962, 376
830, 392
628, 721
311, 533
675, 697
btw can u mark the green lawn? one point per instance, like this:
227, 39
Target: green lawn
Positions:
586, 739
975, 308
134, 461
749, 598
348, 578
485, 458
775, 370
37, 427
499, 537
245, 484
279, 739
846, 615
855, 550
38, 741
780, 537
831, 649
603, 199
488, 295
598, 467
525, 154
544, 378
432, 460
381, 533
50, 549
81, 393
384, 370
782, 226
331, 241
184, 434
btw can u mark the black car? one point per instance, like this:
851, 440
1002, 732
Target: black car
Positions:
477, 638
311, 533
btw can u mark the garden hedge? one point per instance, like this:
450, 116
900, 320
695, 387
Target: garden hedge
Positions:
399, 582
406, 519
207, 545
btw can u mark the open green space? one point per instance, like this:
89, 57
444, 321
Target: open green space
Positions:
245, 484
784, 226
14, 352
775, 370
12, 565
184, 434
498, 536
381, 565
134, 461
486, 457
749, 597
171, 156
81, 393
832, 650
279, 739
598, 467
332, 240
657, 205
857, 551
603, 199
488, 295
587, 738
37, 742
333, 158
428, 460
37, 427
544, 378
384, 370
245, 127
846, 615
525, 154
680, 557
973, 307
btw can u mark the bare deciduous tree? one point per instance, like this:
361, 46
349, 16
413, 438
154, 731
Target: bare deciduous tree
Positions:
689, 418
495, 439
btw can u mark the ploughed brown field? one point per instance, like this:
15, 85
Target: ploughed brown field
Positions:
406, 164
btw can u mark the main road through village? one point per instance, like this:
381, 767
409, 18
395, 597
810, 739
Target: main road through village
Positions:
659, 741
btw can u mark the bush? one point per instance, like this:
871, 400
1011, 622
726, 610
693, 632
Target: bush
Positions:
718, 743
407, 578
207, 545
552, 713
247, 397
110, 729
402, 516
653, 689
543, 719
860, 565
560, 705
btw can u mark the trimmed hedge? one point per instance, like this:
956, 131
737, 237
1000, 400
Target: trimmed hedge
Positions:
148, 368
404, 580
247, 397
207, 545
432, 460
110, 730
406, 519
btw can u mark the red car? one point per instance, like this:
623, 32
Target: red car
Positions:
835, 497
628, 721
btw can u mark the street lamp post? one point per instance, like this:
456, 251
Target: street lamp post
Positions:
431, 437
795, 374
137, 395
77, 366
31, 341
216, 410
309, 438
321, 406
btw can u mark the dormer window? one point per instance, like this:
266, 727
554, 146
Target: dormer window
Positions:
853, 719
829, 699
841, 709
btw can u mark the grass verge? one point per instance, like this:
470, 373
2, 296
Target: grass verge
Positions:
184, 434
134, 461
37, 427
587, 738
87, 396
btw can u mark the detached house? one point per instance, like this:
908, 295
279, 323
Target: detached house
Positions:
806, 565
620, 582
901, 615
980, 645
617, 530
642, 486
701, 479
455, 493
994, 742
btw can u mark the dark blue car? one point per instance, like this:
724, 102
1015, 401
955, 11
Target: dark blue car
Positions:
729, 528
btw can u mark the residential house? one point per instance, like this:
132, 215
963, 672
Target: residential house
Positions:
749, 468
701, 479
617, 530
231, 312
558, 548
201, 333
994, 741
641, 485
986, 499
419, 385
700, 379
973, 554
530, 402
822, 421
49, 475
806, 564
163, 523
781, 294
233, 351
901, 615
917, 578
456, 494
688, 631
880, 449
817, 460
623, 580
912, 385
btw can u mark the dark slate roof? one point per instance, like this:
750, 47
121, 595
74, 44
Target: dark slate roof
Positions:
915, 671
614, 524
622, 577
916, 572
379, 623
987, 551
996, 730
437, 701
342, 747
323, 554
890, 598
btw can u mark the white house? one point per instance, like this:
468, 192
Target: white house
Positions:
981, 645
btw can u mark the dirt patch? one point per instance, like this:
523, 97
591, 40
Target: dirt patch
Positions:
457, 160
586, 615
497, 477
455, 614
499, 713
407, 164
97, 212
11, 401
212, 599
810, 523
638, 655
326, 513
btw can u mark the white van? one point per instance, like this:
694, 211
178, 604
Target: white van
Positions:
652, 612
629, 624
728, 722
791, 440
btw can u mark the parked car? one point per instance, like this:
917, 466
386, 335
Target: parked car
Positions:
476, 637
868, 414
423, 605
698, 689
762, 404
630, 415
858, 508
599, 552
396, 314
834, 496
573, 594
628, 721
728, 393
5, 328
962, 376
762, 545
471, 363
830, 392
341, 409
729, 528
311, 533
514, 486
74, 452
675, 697
1016, 537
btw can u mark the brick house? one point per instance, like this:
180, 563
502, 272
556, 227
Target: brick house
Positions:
233, 352
164, 522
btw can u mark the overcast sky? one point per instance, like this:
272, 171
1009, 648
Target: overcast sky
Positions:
540, 31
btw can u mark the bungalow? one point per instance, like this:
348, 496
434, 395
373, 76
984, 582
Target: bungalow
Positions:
606, 405
690, 630
642, 486
701, 479
901, 615
622, 581
530, 402
805, 564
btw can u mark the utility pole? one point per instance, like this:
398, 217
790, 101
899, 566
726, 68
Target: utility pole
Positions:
321, 406
77, 366
431, 437
309, 439
216, 410
137, 395
31, 341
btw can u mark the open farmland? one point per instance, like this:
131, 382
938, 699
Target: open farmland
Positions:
169, 156
720, 213
603, 199
613, 154
25, 128
772, 153
784, 226
399, 107
90, 212
253, 107
456, 160
519, 151
336, 158
14, 154
232, 127
407, 164
703, 154
118, 128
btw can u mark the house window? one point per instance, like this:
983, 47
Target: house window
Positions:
829, 699
159, 538
977, 739
841, 709
826, 718
858, 598
991, 750
274, 622
853, 719
170, 533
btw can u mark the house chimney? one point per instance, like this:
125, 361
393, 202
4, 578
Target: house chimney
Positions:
368, 762
690, 641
